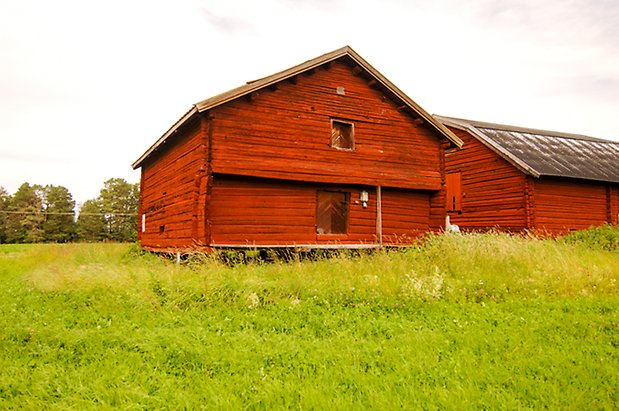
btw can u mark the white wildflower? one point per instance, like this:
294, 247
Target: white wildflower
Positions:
426, 288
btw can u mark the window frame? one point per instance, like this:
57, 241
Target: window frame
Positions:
347, 123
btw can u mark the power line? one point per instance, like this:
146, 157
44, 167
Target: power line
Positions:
59, 213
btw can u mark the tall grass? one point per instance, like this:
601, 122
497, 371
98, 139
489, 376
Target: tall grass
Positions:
464, 322
475, 267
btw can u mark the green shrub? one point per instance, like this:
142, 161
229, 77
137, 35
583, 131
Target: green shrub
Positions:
605, 237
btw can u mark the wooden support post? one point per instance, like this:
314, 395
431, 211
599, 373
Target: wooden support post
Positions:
379, 215
609, 208
529, 205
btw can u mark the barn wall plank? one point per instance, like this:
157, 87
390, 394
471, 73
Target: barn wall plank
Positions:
493, 191
286, 134
562, 205
173, 191
613, 206
406, 215
255, 211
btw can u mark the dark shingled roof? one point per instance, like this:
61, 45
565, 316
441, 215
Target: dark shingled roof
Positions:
546, 153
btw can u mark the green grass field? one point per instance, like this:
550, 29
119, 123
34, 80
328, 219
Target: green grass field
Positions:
464, 322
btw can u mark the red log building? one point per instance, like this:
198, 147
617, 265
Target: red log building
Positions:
328, 153
515, 179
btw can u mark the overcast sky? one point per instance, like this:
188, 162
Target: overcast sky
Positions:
87, 86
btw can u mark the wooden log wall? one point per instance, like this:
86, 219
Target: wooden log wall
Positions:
253, 211
284, 132
247, 172
613, 203
406, 215
438, 198
493, 190
562, 205
173, 185
263, 212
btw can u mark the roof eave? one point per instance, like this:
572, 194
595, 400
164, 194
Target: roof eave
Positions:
138, 163
406, 99
319, 61
249, 88
475, 132
272, 79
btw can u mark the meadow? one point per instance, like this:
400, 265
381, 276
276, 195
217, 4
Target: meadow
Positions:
462, 322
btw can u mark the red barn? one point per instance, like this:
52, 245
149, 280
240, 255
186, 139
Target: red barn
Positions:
514, 178
328, 153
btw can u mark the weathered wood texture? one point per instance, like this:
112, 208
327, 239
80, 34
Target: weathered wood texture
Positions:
497, 195
406, 215
247, 172
562, 205
438, 198
492, 189
613, 203
286, 133
252, 211
173, 190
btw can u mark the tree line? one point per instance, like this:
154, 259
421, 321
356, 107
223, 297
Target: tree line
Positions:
36, 213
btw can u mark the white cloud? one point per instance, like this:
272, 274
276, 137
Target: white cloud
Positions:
90, 85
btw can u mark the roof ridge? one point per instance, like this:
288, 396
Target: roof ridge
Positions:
536, 152
291, 72
527, 130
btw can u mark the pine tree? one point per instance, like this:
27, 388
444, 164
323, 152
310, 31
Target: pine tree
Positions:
59, 206
25, 221
4, 203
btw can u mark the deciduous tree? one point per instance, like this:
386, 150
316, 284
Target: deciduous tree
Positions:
119, 203
90, 223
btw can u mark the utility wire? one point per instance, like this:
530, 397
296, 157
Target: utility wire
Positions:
58, 213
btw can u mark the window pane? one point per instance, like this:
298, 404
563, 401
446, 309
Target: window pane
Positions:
342, 135
331, 212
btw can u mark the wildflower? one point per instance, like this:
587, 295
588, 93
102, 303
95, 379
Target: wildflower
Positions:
253, 300
429, 287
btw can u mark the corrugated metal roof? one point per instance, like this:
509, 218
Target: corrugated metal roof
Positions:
255, 85
547, 153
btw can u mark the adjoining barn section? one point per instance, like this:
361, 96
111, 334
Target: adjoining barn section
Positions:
328, 153
514, 178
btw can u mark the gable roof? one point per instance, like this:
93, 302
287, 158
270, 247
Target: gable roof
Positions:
252, 86
546, 153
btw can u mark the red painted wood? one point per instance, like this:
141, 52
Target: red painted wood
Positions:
492, 190
247, 172
562, 205
268, 212
453, 182
286, 134
171, 192
406, 215
496, 195
613, 203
